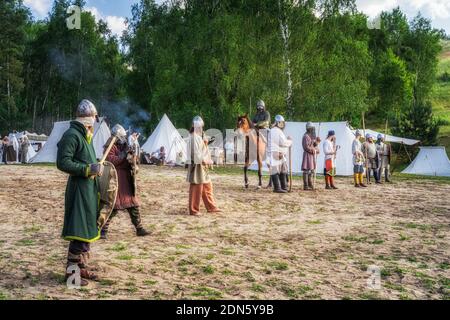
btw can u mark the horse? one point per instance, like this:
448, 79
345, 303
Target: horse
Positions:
254, 141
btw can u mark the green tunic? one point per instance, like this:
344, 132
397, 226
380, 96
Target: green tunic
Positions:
75, 154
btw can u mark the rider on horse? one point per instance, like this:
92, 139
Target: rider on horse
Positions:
261, 120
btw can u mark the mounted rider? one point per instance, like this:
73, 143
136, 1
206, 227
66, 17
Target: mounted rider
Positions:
261, 120
278, 146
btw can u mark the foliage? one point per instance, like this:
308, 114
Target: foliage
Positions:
308, 59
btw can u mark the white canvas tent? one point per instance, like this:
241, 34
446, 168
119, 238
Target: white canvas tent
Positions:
166, 135
49, 151
431, 161
344, 138
392, 139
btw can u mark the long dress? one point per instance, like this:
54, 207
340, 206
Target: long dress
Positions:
81, 212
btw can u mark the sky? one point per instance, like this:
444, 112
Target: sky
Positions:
115, 12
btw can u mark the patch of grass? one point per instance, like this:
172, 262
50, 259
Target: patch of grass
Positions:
258, 288
107, 282
369, 296
249, 276
206, 292
444, 265
404, 237
119, 247
125, 257
426, 281
150, 282
208, 269
3, 296
294, 292
25, 242
278, 265
32, 229
377, 241
188, 261
227, 272
227, 252
354, 238
313, 222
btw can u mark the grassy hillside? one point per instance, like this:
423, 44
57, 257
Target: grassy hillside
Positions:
441, 97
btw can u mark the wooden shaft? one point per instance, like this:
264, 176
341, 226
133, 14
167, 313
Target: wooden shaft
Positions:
105, 155
290, 168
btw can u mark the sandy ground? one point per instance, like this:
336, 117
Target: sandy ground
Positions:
303, 245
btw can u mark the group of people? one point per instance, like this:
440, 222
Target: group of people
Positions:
368, 156
76, 157
14, 150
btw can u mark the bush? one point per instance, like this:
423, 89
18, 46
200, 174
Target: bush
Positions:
418, 123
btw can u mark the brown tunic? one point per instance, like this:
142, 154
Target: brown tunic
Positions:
125, 196
309, 160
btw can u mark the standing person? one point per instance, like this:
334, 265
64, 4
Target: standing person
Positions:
277, 149
24, 146
370, 151
384, 152
121, 156
16, 146
358, 161
199, 160
5, 142
310, 144
329, 150
76, 156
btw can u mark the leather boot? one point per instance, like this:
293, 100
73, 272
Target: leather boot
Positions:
332, 183
135, 216
305, 181
276, 184
311, 185
386, 175
283, 181
327, 183
356, 180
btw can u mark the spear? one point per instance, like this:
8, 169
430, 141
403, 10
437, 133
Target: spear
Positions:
365, 149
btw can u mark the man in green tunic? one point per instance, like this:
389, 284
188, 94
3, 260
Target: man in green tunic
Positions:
76, 156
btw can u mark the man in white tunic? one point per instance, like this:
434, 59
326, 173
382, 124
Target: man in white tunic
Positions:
277, 150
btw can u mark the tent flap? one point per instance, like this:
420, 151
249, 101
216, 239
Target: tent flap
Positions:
431, 161
49, 151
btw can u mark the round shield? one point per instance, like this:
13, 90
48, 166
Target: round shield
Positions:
108, 188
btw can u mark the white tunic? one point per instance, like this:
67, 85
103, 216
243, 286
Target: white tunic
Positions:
277, 147
328, 150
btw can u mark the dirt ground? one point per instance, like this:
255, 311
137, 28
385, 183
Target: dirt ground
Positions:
302, 245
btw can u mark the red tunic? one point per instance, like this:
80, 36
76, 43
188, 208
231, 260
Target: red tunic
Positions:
125, 197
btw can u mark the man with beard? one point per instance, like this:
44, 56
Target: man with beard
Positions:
121, 156
310, 144
199, 160
76, 156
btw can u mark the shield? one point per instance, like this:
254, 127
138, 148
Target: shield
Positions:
108, 188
